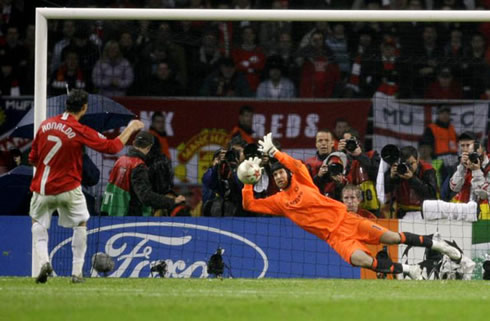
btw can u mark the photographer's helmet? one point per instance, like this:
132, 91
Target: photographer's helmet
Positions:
337, 157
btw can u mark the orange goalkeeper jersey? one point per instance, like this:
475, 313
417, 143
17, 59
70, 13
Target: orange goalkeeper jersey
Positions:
301, 201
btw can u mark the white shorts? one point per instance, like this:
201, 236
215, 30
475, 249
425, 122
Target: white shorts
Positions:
71, 207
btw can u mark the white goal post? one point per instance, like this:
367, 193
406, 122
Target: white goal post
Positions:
43, 14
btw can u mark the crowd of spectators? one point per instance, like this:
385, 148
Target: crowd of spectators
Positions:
270, 59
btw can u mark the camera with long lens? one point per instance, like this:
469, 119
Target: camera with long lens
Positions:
474, 157
335, 169
391, 154
486, 268
232, 156
402, 168
351, 144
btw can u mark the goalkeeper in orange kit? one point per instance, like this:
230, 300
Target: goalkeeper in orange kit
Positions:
347, 233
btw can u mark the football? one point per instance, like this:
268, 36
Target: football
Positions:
249, 173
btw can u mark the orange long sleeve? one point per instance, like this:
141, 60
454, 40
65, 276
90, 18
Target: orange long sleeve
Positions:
301, 201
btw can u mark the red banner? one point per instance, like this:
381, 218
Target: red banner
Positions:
293, 123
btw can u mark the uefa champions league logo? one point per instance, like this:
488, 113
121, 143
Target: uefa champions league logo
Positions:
136, 246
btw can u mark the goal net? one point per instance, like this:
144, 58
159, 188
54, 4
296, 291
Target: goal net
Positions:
334, 88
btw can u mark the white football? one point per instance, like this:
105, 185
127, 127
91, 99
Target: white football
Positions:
249, 173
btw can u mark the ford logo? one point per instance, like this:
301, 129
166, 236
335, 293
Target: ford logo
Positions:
184, 247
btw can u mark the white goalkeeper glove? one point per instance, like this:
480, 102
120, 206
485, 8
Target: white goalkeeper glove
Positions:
266, 146
255, 161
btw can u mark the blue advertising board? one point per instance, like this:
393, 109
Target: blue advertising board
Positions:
253, 247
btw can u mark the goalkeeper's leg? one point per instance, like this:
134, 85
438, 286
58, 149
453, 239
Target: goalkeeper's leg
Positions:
383, 264
407, 238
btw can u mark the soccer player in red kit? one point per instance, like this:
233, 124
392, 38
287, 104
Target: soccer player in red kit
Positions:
347, 233
57, 156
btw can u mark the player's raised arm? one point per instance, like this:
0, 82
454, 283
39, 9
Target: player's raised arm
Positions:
98, 142
133, 126
267, 146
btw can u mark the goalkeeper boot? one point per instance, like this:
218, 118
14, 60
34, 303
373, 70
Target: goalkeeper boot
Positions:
415, 272
77, 279
443, 247
46, 270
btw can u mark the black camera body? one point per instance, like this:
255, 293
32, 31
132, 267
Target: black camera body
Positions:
474, 157
335, 169
391, 154
402, 168
351, 144
160, 268
232, 155
486, 269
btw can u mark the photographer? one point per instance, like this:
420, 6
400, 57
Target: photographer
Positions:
324, 143
221, 178
363, 169
471, 179
129, 191
411, 181
331, 177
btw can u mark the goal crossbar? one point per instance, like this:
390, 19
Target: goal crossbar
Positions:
43, 14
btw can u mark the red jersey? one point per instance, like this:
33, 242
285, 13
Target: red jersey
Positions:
301, 201
57, 153
319, 77
251, 63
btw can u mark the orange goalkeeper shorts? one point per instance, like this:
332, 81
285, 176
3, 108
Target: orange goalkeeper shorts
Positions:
353, 233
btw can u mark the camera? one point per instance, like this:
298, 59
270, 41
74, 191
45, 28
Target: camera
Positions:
335, 169
232, 156
402, 168
159, 267
486, 268
474, 157
391, 154
351, 144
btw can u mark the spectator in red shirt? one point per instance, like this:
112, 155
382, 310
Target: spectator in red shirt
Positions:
249, 58
320, 75
445, 86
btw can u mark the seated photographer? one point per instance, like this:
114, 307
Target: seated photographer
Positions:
324, 143
352, 197
129, 191
363, 169
331, 177
471, 179
411, 181
221, 179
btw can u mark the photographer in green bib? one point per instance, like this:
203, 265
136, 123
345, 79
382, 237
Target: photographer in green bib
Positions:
129, 191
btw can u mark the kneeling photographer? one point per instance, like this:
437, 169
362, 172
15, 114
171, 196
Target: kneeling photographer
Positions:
221, 178
471, 179
410, 180
331, 177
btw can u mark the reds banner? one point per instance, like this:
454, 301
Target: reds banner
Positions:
404, 124
293, 123
196, 128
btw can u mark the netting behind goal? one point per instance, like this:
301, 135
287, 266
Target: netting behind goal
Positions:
194, 82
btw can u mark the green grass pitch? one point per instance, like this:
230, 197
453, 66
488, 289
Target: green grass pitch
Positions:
243, 299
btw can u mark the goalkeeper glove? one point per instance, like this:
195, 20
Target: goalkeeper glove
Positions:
266, 146
255, 160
